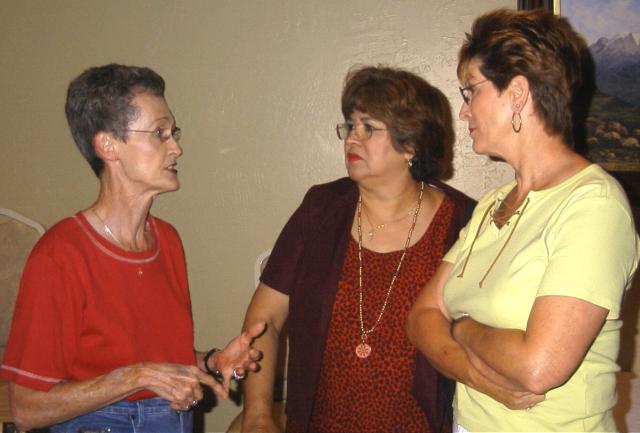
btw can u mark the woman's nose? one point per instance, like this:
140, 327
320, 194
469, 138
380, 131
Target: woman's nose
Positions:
354, 135
176, 146
463, 114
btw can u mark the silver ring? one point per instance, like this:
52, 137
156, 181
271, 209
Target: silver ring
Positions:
193, 402
236, 376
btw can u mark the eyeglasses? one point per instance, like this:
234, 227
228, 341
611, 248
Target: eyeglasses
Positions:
467, 92
162, 134
362, 131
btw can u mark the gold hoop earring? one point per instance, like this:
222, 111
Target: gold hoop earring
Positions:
514, 120
410, 163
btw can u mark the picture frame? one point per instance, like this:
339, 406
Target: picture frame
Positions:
616, 102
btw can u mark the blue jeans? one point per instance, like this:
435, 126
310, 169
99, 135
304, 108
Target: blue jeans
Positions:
144, 416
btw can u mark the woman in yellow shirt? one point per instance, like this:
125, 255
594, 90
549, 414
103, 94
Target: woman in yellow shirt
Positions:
528, 299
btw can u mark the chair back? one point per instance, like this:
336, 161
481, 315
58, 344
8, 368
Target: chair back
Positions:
18, 235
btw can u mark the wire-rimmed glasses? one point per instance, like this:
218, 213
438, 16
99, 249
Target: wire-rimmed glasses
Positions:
362, 131
467, 91
162, 134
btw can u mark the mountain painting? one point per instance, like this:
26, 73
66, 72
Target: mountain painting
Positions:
612, 31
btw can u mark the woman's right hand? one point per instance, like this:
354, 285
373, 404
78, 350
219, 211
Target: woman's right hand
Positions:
259, 423
517, 400
178, 384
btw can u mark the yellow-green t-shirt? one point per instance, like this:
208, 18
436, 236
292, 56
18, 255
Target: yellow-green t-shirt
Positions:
574, 239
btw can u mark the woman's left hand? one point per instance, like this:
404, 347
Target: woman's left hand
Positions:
237, 358
499, 387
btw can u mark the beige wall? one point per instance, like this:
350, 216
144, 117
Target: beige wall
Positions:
255, 86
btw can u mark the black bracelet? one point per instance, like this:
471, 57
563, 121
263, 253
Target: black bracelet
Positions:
206, 362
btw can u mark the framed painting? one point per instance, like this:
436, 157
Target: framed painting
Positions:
611, 29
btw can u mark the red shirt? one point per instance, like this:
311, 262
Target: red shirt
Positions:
86, 307
374, 394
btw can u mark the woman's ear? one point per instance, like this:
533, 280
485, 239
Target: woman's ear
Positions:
104, 145
518, 93
409, 157
409, 152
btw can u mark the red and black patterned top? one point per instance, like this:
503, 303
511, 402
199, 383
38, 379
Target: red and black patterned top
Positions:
373, 394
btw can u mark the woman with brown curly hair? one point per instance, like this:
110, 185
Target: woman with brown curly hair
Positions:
346, 268
529, 296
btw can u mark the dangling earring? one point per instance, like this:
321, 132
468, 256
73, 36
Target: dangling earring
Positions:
515, 120
409, 162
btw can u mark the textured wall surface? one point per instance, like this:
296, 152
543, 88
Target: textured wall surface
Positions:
255, 86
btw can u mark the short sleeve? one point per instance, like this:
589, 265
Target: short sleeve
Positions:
593, 252
279, 274
46, 322
176, 251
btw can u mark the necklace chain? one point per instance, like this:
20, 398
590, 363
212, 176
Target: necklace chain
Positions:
503, 202
382, 225
363, 350
502, 212
107, 229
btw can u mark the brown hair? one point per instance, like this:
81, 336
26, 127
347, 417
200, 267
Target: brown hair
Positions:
417, 115
538, 45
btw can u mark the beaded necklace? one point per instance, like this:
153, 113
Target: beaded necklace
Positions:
363, 350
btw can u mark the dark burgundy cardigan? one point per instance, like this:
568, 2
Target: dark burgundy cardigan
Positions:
306, 264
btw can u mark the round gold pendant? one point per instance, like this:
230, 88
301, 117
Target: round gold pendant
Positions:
363, 350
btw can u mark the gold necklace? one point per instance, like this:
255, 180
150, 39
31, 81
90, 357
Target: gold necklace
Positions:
363, 350
381, 226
